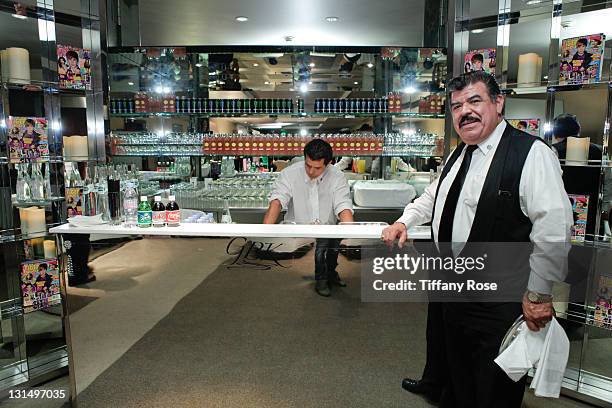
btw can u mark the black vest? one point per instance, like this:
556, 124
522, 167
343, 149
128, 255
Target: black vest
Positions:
499, 217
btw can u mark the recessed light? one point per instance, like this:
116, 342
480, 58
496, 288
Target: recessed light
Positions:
545, 76
356, 83
19, 16
242, 19
477, 31
309, 82
130, 83
332, 19
370, 65
311, 65
198, 65
255, 64
267, 83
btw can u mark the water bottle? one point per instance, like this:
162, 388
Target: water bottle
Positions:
130, 204
24, 193
226, 217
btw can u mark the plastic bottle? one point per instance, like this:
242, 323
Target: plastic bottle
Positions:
130, 204
173, 213
145, 215
159, 213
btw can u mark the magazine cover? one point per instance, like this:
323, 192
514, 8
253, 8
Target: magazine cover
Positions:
581, 59
580, 208
73, 67
27, 139
531, 126
39, 284
74, 197
602, 315
480, 60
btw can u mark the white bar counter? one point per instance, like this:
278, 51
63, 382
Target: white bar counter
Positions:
361, 231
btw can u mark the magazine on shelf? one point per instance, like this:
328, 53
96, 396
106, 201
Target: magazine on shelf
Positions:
480, 60
602, 314
39, 284
74, 196
581, 59
73, 67
580, 208
27, 139
531, 126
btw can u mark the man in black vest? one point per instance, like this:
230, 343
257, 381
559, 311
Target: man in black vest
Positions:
499, 185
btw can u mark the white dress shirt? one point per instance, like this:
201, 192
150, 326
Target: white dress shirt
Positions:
542, 199
309, 201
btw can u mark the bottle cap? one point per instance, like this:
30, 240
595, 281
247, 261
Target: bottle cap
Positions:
157, 199
172, 198
143, 198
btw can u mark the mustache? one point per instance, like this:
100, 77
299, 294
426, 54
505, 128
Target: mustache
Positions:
468, 118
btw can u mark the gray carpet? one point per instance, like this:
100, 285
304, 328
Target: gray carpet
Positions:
248, 337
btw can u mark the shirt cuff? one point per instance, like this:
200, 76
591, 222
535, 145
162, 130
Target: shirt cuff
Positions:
278, 197
344, 206
539, 285
408, 220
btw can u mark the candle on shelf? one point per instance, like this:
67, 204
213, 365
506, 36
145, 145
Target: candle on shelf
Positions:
4, 64
67, 147
18, 65
32, 220
38, 245
528, 69
577, 151
50, 251
79, 148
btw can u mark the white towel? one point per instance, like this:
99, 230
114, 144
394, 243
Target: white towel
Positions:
546, 350
86, 221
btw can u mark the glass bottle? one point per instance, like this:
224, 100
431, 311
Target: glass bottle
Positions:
226, 217
38, 183
48, 191
24, 193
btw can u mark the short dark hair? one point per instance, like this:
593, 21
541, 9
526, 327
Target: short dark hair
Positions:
566, 125
44, 266
522, 123
459, 83
318, 149
30, 122
582, 41
477, 57
72, 54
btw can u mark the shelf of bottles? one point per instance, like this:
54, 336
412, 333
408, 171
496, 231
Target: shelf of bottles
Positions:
154, 144
33, 188
431, 106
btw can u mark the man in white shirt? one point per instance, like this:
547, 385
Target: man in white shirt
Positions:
314, 192
471, 202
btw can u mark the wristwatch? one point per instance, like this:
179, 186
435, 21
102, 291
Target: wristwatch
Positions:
535, 297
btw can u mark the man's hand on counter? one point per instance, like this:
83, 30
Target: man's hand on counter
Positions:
393, 232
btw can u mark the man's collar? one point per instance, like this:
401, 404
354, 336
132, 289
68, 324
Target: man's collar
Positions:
491, 142
318, 179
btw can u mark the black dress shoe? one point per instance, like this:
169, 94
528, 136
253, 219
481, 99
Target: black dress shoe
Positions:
418, 387
322, 288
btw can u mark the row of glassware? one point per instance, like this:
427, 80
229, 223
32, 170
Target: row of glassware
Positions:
33, 185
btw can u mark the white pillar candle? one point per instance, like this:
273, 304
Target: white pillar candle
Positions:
67, 147
19, 65
50, 251
32, 220
528, 69
577, 151
79, 148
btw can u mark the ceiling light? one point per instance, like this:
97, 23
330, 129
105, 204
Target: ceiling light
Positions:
198, 65
370, 65
267, 83
309, 82
356, 83
130, 83
255, 64
19, 16
303, 132
545, 76
242, 19
332, 19
477, 31
311, 65
410, 89
303, 88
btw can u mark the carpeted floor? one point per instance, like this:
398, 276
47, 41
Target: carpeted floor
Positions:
263, 338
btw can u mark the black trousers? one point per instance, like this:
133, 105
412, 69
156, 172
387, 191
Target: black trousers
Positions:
435, 373
473, 333
326, 258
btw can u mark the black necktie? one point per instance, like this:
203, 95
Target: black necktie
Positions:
445, 232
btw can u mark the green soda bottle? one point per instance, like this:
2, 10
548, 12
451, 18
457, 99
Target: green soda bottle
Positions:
145, 214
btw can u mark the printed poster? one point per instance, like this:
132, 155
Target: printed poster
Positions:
531, 126
73, 67
602, 315
580, 208
39, 284
27, 139
581, 59
480, 60
74, 198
